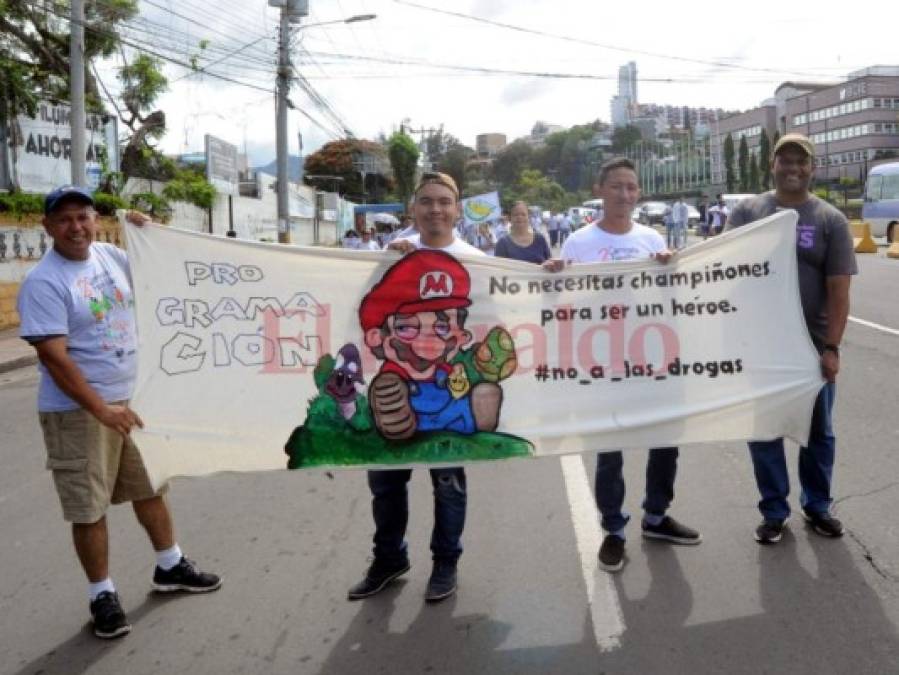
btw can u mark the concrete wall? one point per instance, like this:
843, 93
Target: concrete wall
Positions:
254, 218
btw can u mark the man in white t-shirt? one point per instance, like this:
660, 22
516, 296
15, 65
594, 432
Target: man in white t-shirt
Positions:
617, 237
367, 242
436, 210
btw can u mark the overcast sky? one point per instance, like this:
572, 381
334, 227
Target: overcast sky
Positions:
687, 53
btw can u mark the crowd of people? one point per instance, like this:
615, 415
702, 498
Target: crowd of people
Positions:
86, 381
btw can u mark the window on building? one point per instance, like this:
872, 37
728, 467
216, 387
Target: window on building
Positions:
878, 127
877, 103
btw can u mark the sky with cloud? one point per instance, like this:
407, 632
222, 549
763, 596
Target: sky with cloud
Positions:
479, 66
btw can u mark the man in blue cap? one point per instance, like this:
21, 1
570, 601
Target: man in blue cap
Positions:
76, 309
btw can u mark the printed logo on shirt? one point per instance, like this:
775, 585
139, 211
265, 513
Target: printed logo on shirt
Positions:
109, 306
612, 253
805, 236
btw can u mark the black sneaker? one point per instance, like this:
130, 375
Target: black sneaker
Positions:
442, 583
185, 577
824, 523
377, 578
611, 553
109, 619
769, 531
671, 530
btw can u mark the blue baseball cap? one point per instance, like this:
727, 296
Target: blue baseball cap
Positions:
57, 197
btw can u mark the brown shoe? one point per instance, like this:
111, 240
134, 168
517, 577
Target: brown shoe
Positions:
389, 400
486, 401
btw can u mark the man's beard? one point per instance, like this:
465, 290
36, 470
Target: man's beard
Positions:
418, 364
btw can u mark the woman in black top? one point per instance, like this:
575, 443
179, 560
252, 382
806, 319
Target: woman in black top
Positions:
522, 243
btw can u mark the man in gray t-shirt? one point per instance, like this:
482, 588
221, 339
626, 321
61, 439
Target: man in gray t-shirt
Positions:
77, 312
826, 262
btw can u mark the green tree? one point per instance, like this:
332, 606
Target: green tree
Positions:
764, 165
34, 48
455, 161
535, 188
753, 174
624, 137
338, 158
403, 154
142, 84
511, 161
743, 164
729, 178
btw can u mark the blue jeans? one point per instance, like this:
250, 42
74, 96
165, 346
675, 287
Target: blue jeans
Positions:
815, 465
390, 507
660, 472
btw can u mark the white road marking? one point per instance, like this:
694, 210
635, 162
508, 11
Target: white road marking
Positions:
605, 609
875, 326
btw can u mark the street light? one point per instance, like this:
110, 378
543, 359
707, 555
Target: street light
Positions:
292, 12
353, 19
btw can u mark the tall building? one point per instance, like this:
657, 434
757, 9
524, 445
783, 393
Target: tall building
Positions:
624, 105
627, 81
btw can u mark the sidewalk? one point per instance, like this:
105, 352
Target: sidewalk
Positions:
15, 352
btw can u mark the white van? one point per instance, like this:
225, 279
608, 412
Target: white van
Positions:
881, 206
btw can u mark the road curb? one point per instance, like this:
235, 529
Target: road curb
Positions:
18, 362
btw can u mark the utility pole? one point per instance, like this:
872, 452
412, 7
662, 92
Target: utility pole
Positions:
76, 92
292, 11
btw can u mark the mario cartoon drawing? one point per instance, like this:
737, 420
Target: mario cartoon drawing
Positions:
414, 320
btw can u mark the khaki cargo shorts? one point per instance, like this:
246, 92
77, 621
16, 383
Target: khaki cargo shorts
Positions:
92, 465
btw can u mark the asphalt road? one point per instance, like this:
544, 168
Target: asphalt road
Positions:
290, 544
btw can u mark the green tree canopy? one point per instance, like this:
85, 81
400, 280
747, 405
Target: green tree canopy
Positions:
403, 155
765, 160
729, 178
743, 164
338, 158
34, 48
511, 161
624, 137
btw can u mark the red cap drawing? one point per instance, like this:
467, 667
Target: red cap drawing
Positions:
423, 281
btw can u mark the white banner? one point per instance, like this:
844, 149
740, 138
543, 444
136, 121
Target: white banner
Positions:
248, 351
481, 208
43, 148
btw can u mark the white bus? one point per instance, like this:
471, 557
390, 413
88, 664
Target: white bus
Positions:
881, 206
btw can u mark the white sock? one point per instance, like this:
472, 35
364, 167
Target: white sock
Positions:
94, 589
168, 558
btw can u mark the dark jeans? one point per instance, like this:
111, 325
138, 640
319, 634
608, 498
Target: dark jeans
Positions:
390, 507
661, 470
553, 237
815, 465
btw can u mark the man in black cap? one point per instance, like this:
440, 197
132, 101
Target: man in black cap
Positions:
76, 309
826, 263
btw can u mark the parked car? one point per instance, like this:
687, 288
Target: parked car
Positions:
653, 212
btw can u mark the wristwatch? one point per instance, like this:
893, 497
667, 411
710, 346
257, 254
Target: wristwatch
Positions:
832, 348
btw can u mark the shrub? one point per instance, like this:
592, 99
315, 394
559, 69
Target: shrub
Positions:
107, 204
20, 203
156, 206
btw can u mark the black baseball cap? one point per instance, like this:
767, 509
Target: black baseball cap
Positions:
66, 193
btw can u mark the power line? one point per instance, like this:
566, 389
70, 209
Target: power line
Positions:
590, 43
